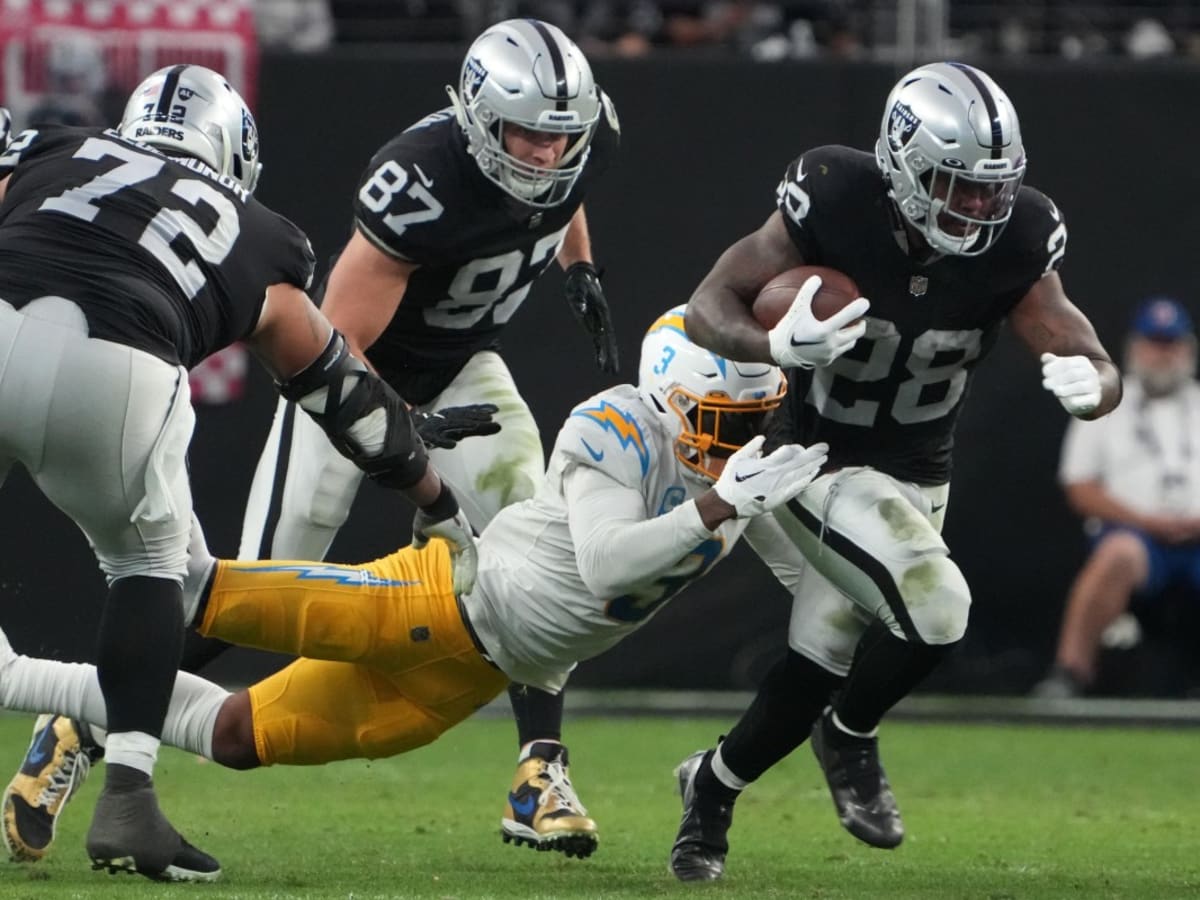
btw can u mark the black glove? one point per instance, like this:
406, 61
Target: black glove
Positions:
586, 299
450, 424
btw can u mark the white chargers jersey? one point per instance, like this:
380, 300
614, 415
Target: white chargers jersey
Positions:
611, 534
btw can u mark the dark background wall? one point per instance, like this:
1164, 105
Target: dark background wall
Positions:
704, 144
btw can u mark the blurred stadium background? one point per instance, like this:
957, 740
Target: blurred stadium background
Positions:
715, 99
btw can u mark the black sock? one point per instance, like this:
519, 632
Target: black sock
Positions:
885, 669
123, 778
539, 714
788, 702
199, 651
141, 635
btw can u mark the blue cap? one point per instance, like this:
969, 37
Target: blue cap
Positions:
1162, 319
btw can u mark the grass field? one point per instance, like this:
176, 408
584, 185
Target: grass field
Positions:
994, 813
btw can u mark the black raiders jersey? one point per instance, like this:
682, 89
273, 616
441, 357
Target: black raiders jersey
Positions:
160, 254
892, 401
423, 199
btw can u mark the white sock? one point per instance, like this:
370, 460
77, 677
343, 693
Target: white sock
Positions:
135, 749
192, 715
73, 690
724, 774
858, 734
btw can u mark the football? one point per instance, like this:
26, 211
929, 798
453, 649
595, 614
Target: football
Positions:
775, 299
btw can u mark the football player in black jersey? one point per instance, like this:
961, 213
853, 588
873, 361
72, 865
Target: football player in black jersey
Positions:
948, 245
454, 220
127, 256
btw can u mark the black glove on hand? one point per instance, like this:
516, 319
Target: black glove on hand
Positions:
450, 424
586, 299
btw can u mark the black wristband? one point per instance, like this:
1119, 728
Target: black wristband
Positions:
444, 507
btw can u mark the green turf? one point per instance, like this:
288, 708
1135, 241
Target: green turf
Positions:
992, 813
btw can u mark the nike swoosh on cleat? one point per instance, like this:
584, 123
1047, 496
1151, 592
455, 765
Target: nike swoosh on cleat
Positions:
522, 807
740, 478
597, 455
937, 507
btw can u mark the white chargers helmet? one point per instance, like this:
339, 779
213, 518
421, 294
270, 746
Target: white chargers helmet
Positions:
950, 148
711, 405
529, 73
193, 111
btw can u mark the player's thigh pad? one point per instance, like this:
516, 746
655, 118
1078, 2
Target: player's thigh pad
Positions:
877, 541
103, 429
489, 473
310, 483
825, 624
389, 664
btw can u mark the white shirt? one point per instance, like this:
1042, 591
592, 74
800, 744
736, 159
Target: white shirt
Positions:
1145, 453
611, 534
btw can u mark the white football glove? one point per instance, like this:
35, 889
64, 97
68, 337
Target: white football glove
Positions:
1074, 380
800, 339
753, 484
455, 531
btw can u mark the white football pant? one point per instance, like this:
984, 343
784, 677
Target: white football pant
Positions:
103, 430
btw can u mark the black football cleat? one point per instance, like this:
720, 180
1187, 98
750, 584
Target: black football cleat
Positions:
702, 842
861, 794
130, 834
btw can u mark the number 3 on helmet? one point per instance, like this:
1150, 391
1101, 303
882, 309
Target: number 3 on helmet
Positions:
710, 405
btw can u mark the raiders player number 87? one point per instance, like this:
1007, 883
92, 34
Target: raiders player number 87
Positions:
454, 219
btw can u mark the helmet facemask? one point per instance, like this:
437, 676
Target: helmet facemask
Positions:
950, 149
716, 426
529, 74
710, 406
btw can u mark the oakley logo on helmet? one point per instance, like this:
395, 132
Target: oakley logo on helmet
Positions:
951, 163
902, 125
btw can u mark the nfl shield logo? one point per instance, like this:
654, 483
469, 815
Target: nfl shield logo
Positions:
918, 285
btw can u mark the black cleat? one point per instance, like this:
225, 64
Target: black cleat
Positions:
130, 834
861, 794
701, 844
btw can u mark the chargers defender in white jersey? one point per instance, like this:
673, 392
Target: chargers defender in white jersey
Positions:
648, 488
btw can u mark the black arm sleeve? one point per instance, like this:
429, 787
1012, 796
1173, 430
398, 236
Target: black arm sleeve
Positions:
352, 392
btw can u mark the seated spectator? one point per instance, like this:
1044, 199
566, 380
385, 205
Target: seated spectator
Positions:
1135, 476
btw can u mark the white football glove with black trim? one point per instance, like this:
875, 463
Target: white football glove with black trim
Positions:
753, 484
801, 340
1074, 380
455, 531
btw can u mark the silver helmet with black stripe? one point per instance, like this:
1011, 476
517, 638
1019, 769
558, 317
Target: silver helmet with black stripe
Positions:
950, 148
528, 73
193, 111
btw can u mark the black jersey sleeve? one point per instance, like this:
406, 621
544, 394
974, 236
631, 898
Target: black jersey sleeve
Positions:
1038, 233
17, 149
807, 189
400, 203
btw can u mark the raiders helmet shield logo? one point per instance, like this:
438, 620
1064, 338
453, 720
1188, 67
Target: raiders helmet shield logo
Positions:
918, 285
249, 137
902, 125
473, 76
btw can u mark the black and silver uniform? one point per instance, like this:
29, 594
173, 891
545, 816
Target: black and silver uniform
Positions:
161, 254
423, 199
892, 401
